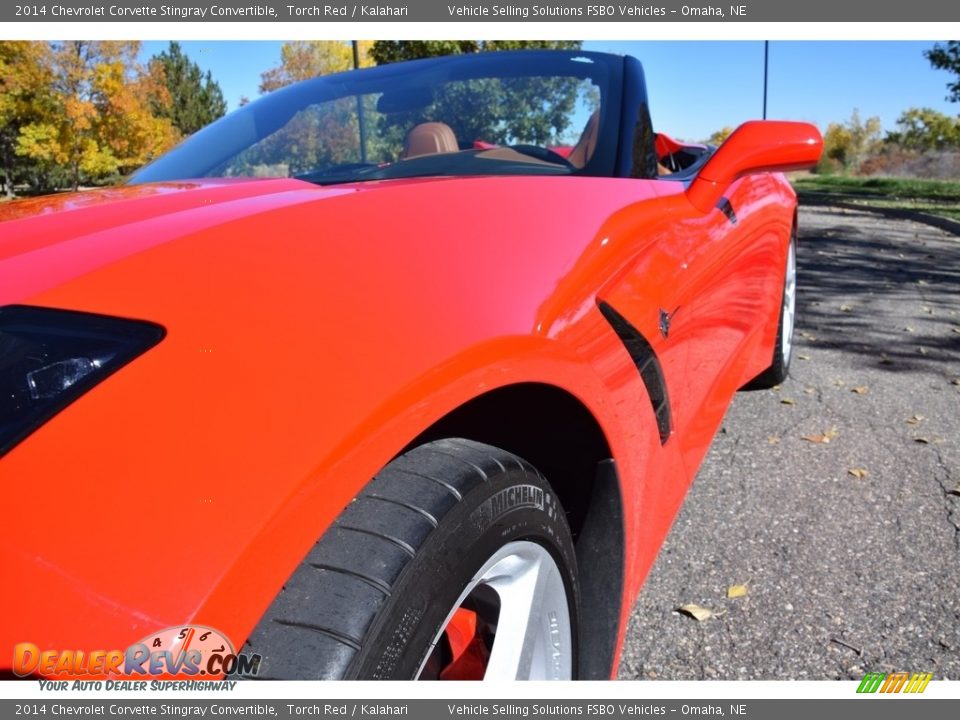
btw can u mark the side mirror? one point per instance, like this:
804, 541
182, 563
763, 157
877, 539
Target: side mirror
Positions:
755, 146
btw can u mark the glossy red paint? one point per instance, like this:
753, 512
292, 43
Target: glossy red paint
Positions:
758, 145
314, 332
666, 145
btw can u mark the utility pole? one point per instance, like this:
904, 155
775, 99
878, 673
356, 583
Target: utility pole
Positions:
360, 119
766, 67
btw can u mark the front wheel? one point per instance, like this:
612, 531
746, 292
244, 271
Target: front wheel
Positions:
455, 562
783, 350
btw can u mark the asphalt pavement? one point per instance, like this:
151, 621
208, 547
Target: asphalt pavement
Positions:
833, 501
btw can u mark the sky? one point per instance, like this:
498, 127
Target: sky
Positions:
697, 87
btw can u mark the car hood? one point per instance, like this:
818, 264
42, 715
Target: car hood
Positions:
122, 250
115, 205
49, 240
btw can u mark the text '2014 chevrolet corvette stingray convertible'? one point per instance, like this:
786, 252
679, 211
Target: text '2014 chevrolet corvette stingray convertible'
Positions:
396, 373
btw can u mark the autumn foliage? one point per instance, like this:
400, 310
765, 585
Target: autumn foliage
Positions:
78, 112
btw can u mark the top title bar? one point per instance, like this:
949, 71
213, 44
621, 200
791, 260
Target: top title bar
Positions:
98, 11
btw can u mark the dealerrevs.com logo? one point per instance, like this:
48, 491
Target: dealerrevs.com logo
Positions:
191, 652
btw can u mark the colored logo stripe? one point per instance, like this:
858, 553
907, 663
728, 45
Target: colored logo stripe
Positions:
918, 682
894, 682
870, 683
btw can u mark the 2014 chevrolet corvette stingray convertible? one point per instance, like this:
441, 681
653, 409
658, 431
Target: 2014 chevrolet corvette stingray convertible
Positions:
396, 373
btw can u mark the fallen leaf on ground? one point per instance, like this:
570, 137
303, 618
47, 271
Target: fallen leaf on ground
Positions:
773, 439
921, 440
927, 309
909, 329
922, 282
821, 439
914, 420
809, 391
803, 357
858, 473
923, 350
735, 591
696, 612
839, 382
808, 336
788, 401
846, 308
955, 491
955, 381
860, 390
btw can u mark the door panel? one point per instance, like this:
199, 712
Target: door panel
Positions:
730, 256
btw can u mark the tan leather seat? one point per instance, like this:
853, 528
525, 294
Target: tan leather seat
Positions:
583, 150
429, 138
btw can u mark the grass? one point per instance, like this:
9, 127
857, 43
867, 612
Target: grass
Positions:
935, 197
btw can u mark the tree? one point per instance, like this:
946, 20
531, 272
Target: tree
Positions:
25, 97
947, 57
924, 129
849, 143
100, 119
501, 111
305, 59
390, 51
195, 99
720, 135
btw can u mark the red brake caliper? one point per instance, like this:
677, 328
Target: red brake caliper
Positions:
470, 652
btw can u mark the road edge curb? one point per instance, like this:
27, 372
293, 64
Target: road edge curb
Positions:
819, 200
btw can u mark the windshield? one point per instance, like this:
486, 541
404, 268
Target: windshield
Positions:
526, 113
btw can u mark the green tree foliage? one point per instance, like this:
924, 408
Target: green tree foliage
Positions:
515, 110
947, 57
924, 129
384, 52
848, 144
195, 99
390, 51
501, 111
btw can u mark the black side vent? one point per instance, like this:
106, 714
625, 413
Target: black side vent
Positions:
724, 206
647, 364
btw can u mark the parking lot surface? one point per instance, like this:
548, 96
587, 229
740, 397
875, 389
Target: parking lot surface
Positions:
833, 500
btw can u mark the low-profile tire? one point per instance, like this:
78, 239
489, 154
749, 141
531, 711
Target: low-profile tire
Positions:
452, 539
783, 349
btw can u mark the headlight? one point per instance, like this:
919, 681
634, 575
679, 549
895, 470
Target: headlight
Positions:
49, 358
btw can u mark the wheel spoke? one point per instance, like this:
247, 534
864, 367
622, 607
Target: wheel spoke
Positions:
533, 632
520, 584
533, 639
789, 302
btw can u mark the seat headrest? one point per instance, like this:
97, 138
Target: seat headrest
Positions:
429, 138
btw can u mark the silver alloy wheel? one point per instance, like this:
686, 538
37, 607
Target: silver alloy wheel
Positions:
533, 639
789, 302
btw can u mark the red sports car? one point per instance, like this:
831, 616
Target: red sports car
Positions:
397, 373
